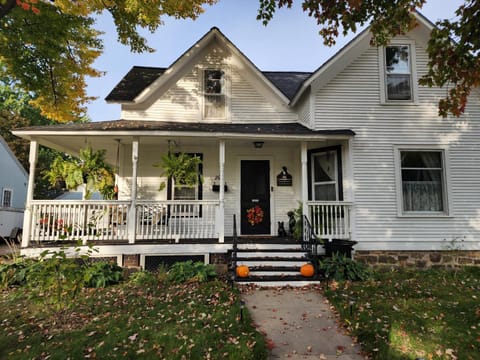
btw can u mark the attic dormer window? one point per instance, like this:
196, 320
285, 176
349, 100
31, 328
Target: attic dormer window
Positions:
214, 94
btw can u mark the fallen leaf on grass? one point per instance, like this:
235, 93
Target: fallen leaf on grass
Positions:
270, 344
450, 352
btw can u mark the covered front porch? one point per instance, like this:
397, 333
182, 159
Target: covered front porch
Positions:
276, 168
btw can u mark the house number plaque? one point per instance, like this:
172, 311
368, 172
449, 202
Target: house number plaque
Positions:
284, 178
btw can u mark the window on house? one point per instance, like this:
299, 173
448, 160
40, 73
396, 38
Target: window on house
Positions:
185, 194
325, 174
423, 180
7, 198
214, 94
398, 76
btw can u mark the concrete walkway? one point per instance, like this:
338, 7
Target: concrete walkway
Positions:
299, 324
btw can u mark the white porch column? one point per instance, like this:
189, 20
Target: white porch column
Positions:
304, 159
27, 216
132, 213
221, 193
351, 189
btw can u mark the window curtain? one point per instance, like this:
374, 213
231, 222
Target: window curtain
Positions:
422, 188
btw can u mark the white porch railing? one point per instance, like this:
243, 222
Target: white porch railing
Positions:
78, 220
177, 219
330, 219
109, 220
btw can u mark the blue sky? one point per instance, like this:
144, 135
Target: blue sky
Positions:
289, 42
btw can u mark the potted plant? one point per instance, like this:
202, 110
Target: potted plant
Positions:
181, 167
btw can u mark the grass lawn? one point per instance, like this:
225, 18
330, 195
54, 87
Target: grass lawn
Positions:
149, 321
432, 314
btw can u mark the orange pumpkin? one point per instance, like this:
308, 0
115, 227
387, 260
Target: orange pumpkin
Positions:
307, 270
242, 271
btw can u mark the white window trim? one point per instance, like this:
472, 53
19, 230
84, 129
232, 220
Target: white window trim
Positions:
413, 72
312, 172
226, 72
11, 196
447, 198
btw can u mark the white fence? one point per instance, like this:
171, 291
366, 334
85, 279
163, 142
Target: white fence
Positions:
330, 219
109, 220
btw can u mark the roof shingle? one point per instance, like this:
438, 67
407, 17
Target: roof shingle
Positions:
134, 82
172, 126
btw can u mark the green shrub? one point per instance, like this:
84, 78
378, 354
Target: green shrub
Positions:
340, 267
143, 278
55, 279
101, 274
189, 270
298, 216
14, 274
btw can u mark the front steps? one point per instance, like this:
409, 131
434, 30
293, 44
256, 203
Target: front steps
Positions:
273, 263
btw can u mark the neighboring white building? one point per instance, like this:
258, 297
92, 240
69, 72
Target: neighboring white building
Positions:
364, 150
13, 187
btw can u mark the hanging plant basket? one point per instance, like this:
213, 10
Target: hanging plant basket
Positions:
181, 167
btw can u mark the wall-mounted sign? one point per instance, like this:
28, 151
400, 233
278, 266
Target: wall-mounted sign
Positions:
284, 178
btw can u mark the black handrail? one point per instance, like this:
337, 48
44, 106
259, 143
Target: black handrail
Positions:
309, 239
234, 249
310, 243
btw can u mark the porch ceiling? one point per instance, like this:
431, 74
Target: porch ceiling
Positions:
106, 135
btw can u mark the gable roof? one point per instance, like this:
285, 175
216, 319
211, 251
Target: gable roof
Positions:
338, 62
152, 80
12, 155
140, 77
141, 81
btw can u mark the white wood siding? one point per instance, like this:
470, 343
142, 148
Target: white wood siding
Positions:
352, 100
250, 105
12, 177
183, 100
304, 110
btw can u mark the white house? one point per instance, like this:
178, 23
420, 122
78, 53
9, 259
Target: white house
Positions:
13, 187
357, 143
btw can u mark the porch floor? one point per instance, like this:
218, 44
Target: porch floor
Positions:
227, 240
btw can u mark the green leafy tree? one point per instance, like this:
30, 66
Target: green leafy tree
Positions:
16, 111
453, 49
48, 47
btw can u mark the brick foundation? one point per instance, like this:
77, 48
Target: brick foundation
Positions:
419, 259
219, 258
220, 262
131, 260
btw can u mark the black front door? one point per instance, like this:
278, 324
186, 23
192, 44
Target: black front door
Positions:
255, 197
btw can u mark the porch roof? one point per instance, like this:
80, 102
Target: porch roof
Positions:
108, 134
135, 127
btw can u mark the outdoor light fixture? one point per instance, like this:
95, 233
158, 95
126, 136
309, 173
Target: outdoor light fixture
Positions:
258, 144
